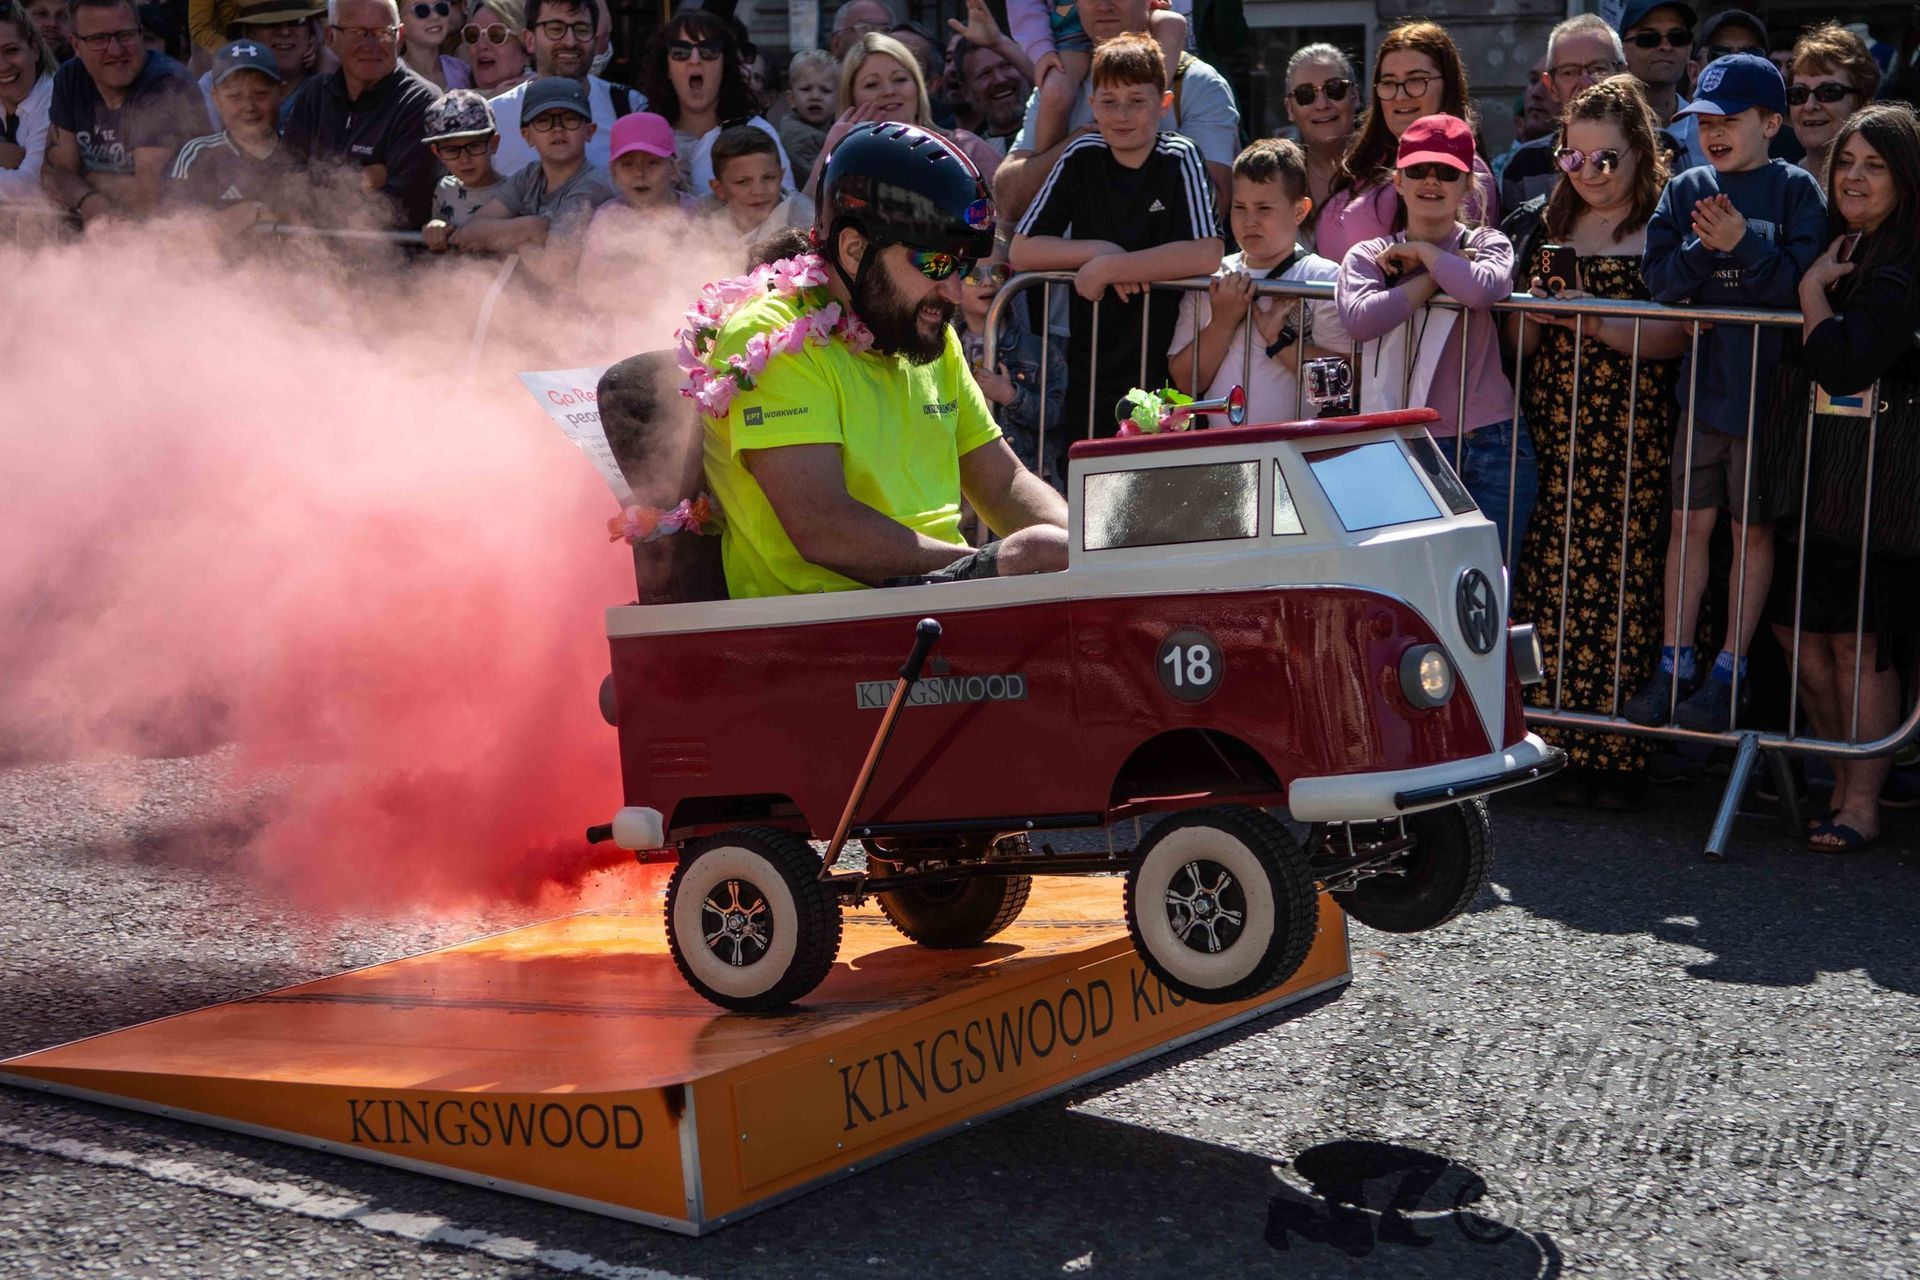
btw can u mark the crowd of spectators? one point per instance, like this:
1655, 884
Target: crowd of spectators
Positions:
1689, 159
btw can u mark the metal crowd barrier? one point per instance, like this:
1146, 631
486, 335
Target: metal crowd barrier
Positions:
27, 224
1748, 743
483, 318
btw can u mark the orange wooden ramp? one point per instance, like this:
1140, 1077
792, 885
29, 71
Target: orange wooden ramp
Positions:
568, 1061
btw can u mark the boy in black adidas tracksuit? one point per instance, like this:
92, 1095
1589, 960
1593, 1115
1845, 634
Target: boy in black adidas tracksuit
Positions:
1123, 206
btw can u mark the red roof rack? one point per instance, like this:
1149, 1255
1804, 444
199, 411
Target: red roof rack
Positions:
1262, 434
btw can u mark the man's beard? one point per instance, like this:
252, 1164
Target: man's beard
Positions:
895, 322
1011, 112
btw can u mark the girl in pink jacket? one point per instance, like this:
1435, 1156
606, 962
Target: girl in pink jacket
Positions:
1414, 353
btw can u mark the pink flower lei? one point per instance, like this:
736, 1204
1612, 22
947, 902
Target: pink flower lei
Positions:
803, 278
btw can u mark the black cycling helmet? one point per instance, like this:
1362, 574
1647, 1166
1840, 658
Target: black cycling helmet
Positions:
901, 184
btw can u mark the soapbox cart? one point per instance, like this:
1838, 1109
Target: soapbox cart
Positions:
1307, 617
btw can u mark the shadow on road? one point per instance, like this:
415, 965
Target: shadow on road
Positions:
1775, 914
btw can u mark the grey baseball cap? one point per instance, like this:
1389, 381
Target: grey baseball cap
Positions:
551, 93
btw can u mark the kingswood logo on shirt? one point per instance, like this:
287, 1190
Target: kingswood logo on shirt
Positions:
941, 409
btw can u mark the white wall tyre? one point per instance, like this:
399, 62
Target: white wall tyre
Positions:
1221, 903
1444, 872
749, 924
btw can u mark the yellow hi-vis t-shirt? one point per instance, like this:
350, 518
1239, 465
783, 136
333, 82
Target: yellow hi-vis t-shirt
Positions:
901, 428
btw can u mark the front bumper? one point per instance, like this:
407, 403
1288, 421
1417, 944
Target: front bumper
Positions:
1363, 797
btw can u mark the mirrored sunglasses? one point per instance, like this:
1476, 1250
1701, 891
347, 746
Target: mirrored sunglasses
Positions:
938, 266
1603, 160
989, 274
495, 32
1336, 91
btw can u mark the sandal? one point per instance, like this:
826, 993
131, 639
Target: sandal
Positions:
1850, 840
1820, 818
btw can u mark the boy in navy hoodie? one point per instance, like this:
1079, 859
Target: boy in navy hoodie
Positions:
1738, 231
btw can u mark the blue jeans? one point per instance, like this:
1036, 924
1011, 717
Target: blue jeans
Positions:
1490, 462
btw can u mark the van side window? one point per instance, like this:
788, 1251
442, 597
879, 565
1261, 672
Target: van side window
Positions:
1160, 506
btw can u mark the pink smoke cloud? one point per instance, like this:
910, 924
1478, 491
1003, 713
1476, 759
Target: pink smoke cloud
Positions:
268, 504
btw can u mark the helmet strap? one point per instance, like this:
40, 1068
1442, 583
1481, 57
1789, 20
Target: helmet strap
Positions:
868, 258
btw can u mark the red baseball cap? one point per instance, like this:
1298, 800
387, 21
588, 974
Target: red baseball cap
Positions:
1438, 139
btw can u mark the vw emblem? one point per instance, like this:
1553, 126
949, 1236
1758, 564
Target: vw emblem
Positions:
1479, 619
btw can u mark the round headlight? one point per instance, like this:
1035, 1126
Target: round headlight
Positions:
1426, 677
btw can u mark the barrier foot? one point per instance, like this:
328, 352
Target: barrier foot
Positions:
1789, 794
1743, 761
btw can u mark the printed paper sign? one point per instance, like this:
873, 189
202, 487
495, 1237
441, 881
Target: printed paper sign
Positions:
569, 398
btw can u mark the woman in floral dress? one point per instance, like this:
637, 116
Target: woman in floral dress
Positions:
1603, 472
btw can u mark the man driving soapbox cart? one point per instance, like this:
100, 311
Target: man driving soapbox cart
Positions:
1305, 616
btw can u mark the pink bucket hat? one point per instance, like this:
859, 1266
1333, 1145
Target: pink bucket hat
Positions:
641, 131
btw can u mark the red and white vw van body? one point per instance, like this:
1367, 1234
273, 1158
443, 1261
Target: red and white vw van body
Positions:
1307, 618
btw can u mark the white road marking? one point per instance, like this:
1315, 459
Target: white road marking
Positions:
417, 1227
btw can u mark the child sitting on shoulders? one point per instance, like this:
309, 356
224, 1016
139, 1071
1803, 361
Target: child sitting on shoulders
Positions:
1062, 54
747, 196
812, 80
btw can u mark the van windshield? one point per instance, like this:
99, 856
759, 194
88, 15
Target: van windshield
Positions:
1372, 485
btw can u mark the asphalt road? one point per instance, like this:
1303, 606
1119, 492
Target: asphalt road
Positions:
1623, 1062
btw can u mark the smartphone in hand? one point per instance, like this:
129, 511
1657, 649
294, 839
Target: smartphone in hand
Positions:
1563, 268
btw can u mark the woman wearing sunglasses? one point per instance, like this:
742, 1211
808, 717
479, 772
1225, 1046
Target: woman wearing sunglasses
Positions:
1856, 359
424, 28
1834, 75
691, 74
1603, 470
1322, 102
1416, 73
492, 45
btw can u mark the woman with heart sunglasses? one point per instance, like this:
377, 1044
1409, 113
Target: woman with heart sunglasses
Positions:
1834, 75
491, 44
1416, 73
1590, 501
1322, 101
426, 28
